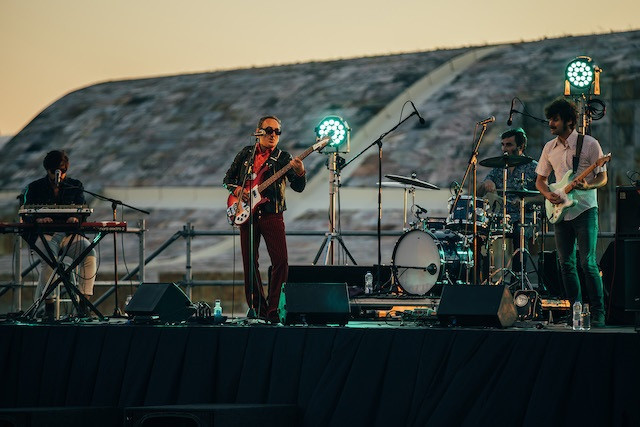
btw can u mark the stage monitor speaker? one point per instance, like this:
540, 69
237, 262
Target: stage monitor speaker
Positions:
477, 305
627, 211
353, 275
165, 300
314, 303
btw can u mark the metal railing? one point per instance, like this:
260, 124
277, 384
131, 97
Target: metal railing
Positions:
187, 233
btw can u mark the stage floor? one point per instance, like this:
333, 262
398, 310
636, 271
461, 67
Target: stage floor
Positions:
382, 372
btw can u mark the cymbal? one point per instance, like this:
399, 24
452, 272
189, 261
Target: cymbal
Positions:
394, 184
521, 192
413, 182
505, 161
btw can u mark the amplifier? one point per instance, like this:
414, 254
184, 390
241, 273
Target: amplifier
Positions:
627, 211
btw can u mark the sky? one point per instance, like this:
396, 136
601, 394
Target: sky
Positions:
49, 48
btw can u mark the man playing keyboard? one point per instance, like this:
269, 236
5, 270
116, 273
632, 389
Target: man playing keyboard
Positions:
57, 189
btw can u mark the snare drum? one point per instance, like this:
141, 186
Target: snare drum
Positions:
422, 259
461, 218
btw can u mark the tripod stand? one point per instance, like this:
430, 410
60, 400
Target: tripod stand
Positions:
117, 313
335, 163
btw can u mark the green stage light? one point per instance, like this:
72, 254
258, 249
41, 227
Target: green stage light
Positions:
339, 130
581, 74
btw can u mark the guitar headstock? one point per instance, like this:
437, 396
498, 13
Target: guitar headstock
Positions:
602, 160
321, 143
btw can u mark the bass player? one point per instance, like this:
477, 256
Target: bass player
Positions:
580, 222
268, 216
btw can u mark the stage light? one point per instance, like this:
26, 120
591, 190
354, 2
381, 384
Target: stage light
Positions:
339, 130
581, 76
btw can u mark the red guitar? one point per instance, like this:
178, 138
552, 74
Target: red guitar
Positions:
238, 212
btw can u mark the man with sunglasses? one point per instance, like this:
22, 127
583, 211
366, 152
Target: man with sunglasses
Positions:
57, 189
268, 220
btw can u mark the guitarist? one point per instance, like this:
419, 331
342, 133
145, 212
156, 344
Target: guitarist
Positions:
580, 223
267, 218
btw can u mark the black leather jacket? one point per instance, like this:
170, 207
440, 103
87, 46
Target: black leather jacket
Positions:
275, 192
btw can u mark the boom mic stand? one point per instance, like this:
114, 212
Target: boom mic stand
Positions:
472, 168
114, 205
379, 143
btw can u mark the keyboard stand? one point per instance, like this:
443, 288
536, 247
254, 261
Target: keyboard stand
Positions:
63, 272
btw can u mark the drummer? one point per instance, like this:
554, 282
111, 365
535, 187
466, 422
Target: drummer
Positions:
514, 142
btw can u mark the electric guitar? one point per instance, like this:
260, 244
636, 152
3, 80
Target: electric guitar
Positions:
238, 210
563, 188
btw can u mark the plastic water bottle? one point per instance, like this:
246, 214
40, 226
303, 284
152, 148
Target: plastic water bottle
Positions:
577, 314
217, 310
368, 283
585, 318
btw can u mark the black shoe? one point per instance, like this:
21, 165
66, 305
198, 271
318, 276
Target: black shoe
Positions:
597, 320
273, 318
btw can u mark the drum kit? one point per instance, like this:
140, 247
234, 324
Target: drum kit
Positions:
439, 251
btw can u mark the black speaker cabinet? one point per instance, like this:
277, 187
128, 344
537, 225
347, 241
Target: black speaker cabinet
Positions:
477, 305
165, 300
353, 275
628, 258
314, 303
627, 211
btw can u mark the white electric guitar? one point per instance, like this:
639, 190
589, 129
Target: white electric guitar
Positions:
564, 187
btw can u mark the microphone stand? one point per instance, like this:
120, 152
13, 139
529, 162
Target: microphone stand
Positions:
472, 167
251, 314
114, 205
379, 143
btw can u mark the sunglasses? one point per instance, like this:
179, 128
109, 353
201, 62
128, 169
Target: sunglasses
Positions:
269, 130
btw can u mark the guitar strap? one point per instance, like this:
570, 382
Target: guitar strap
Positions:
576, 158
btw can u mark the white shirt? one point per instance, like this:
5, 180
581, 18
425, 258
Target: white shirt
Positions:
557, 157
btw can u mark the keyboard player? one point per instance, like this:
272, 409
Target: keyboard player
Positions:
57, 189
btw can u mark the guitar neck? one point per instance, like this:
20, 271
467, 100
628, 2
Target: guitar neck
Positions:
569, 187
282, 171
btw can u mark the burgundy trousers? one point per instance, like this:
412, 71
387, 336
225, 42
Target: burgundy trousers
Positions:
269, 226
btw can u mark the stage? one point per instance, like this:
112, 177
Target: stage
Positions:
368, 373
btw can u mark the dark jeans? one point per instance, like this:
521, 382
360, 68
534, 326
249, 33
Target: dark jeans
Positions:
584, 230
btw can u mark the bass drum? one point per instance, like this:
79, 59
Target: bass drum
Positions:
422, 259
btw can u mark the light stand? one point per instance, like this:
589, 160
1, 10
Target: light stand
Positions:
334, 164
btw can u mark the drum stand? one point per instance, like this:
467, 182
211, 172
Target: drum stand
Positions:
522, 278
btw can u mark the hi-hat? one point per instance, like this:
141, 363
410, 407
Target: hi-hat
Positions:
414, 182
505, 161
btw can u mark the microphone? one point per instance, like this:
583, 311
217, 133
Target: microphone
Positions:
422, 121
421, 209
260, 132
511, 111
58, 175
487, 121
